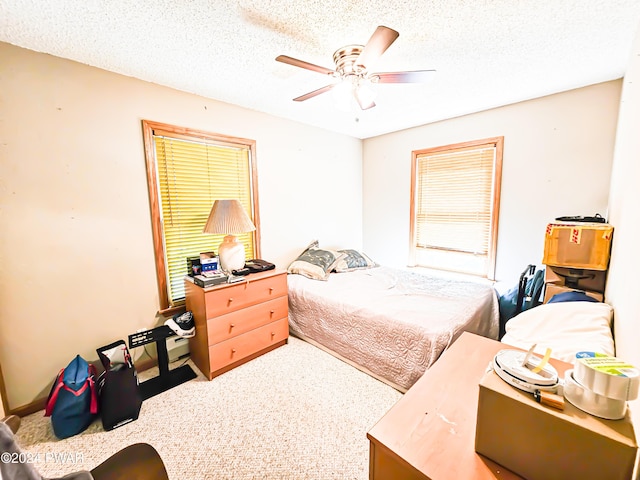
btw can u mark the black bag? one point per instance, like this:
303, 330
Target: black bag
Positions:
118, 389
525, 295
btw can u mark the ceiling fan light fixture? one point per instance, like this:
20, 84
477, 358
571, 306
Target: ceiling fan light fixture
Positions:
364, 94
343, 94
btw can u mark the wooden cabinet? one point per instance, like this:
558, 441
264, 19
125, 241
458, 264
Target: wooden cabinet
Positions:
237, 322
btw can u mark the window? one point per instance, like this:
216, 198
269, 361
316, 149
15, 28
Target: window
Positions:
187, 170
455, 198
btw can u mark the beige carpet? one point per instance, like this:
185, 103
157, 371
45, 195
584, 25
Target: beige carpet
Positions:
294, 413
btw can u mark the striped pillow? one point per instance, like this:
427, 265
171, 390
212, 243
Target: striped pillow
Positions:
353, 260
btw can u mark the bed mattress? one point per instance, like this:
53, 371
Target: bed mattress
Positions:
388, 322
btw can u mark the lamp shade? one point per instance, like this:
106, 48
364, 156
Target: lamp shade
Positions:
228, 217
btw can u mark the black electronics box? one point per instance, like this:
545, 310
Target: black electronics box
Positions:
203, 281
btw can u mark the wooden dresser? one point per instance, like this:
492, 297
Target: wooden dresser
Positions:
237, 322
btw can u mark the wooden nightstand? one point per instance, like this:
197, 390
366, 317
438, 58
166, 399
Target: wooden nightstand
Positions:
237, 322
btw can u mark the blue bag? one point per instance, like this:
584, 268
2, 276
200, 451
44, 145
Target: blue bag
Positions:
73, 403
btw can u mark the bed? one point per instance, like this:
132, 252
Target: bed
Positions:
565, 327
390, 323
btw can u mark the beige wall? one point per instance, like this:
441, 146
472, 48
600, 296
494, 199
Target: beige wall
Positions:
557, 160
76, 255
624, 214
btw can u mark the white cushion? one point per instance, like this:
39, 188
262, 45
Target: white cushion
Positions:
565, 327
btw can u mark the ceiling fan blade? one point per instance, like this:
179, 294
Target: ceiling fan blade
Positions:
302, 64
381, 39
416, 76
309, 95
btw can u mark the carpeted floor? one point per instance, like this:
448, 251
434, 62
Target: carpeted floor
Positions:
294, 413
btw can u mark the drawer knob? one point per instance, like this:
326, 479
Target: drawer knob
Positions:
270, 289
233, 350
230, 299
272, 312
231, 326
273, 334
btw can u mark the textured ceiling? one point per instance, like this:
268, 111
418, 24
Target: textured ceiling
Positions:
486, 53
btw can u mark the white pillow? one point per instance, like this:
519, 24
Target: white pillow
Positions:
565, 327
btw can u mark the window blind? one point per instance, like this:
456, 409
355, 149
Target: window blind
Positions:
454, 203
191, 176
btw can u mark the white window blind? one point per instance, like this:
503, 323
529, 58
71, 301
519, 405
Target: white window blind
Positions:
454, 215
192, 172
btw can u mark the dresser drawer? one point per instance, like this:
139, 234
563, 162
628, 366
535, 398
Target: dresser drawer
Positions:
241, 321
237, 348
220, 301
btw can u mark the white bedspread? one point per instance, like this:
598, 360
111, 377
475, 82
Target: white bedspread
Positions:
391, 323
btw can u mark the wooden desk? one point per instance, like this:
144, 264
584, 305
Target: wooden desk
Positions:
430, 432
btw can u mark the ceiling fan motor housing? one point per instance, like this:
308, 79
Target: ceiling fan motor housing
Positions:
345, 59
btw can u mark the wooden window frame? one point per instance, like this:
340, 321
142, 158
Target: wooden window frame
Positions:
498, 143
149, 127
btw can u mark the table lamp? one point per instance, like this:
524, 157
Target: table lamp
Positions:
229, 217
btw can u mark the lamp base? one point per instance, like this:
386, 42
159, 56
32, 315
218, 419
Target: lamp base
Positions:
231, 253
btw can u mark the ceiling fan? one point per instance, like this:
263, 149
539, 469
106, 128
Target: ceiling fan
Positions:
351, 68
